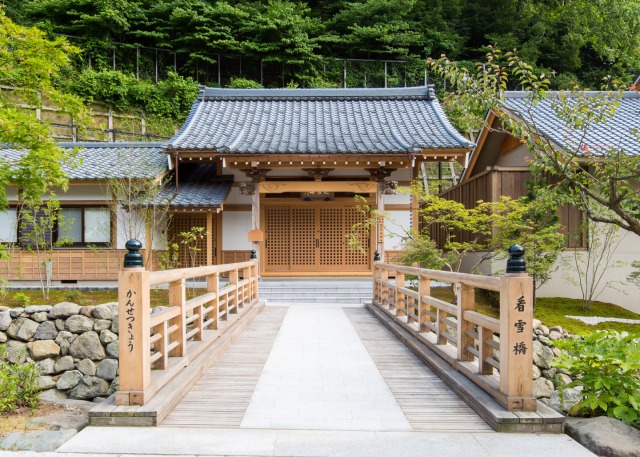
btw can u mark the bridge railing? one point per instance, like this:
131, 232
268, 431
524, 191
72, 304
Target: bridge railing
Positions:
496, 354
156, 346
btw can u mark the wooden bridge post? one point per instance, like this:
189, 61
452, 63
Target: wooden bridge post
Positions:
233, 280
516, 334
133, 312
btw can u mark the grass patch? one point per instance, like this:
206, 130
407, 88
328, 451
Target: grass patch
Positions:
159, 297
18, 420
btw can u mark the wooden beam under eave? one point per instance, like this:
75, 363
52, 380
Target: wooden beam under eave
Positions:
278, 187
491, 117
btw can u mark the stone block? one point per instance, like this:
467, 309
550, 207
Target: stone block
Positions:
46, 331
64, 364
87, 367
16, 351
5, 320
89, 387
63, 310
104, 311
107, 369
605, 436
87, 346
107, 336
47, 366
79, 324
69, 380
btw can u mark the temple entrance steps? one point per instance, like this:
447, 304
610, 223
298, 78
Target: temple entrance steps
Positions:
316, 290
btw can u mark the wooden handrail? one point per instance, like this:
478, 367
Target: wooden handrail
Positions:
181, 331
431, 319
481, 282
166, 276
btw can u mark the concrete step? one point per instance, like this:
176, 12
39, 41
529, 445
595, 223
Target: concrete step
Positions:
321, 290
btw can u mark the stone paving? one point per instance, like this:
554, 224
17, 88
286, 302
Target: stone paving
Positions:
320, 376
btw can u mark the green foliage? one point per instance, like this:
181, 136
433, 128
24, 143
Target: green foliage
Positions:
17, 384
30, 62
606, 366
169, 259
610, 182
243, 83
21, 299
72, 295
582, 40
170, 98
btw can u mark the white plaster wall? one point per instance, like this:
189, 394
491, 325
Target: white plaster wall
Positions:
564, 280
128, 228
74, 192
235, 226
396, 224
620, 292
82, 193
515, 158
236, 198
398, 199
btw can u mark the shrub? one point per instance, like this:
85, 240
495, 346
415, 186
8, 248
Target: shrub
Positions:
72, 295
17, 384
606, 365
243, 83
21, 299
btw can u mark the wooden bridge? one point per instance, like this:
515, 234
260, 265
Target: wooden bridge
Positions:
405, 361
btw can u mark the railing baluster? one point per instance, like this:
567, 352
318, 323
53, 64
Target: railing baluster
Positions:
424, 288
401, 310
233, 295
484, 351
178, 297
213, 286
466, 301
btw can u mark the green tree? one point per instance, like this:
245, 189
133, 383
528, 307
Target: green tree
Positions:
42, 229
584, 178
29, 62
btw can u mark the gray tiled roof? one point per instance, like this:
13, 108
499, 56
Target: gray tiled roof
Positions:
614, 132
108, 160
317, 121
198, 187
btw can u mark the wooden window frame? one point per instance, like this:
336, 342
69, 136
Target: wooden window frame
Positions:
83, 243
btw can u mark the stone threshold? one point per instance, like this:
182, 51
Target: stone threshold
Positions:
544, 420
166, 399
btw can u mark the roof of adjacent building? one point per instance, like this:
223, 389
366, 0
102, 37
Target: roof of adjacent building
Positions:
614, 132
199, 186
317, 121
107, 160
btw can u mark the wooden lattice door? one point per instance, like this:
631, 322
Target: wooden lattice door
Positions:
278, 245
314, 239
184, 223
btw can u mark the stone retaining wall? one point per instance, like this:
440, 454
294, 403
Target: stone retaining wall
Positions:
75, 347
547, 379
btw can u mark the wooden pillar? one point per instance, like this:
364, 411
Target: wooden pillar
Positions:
516, 341
212, 286
255, 217
401, 309
134, 351
209, 238
380, 224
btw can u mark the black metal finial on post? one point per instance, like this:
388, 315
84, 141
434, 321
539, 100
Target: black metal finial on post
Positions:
253, 254
516, 262
133, 258
376, 256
